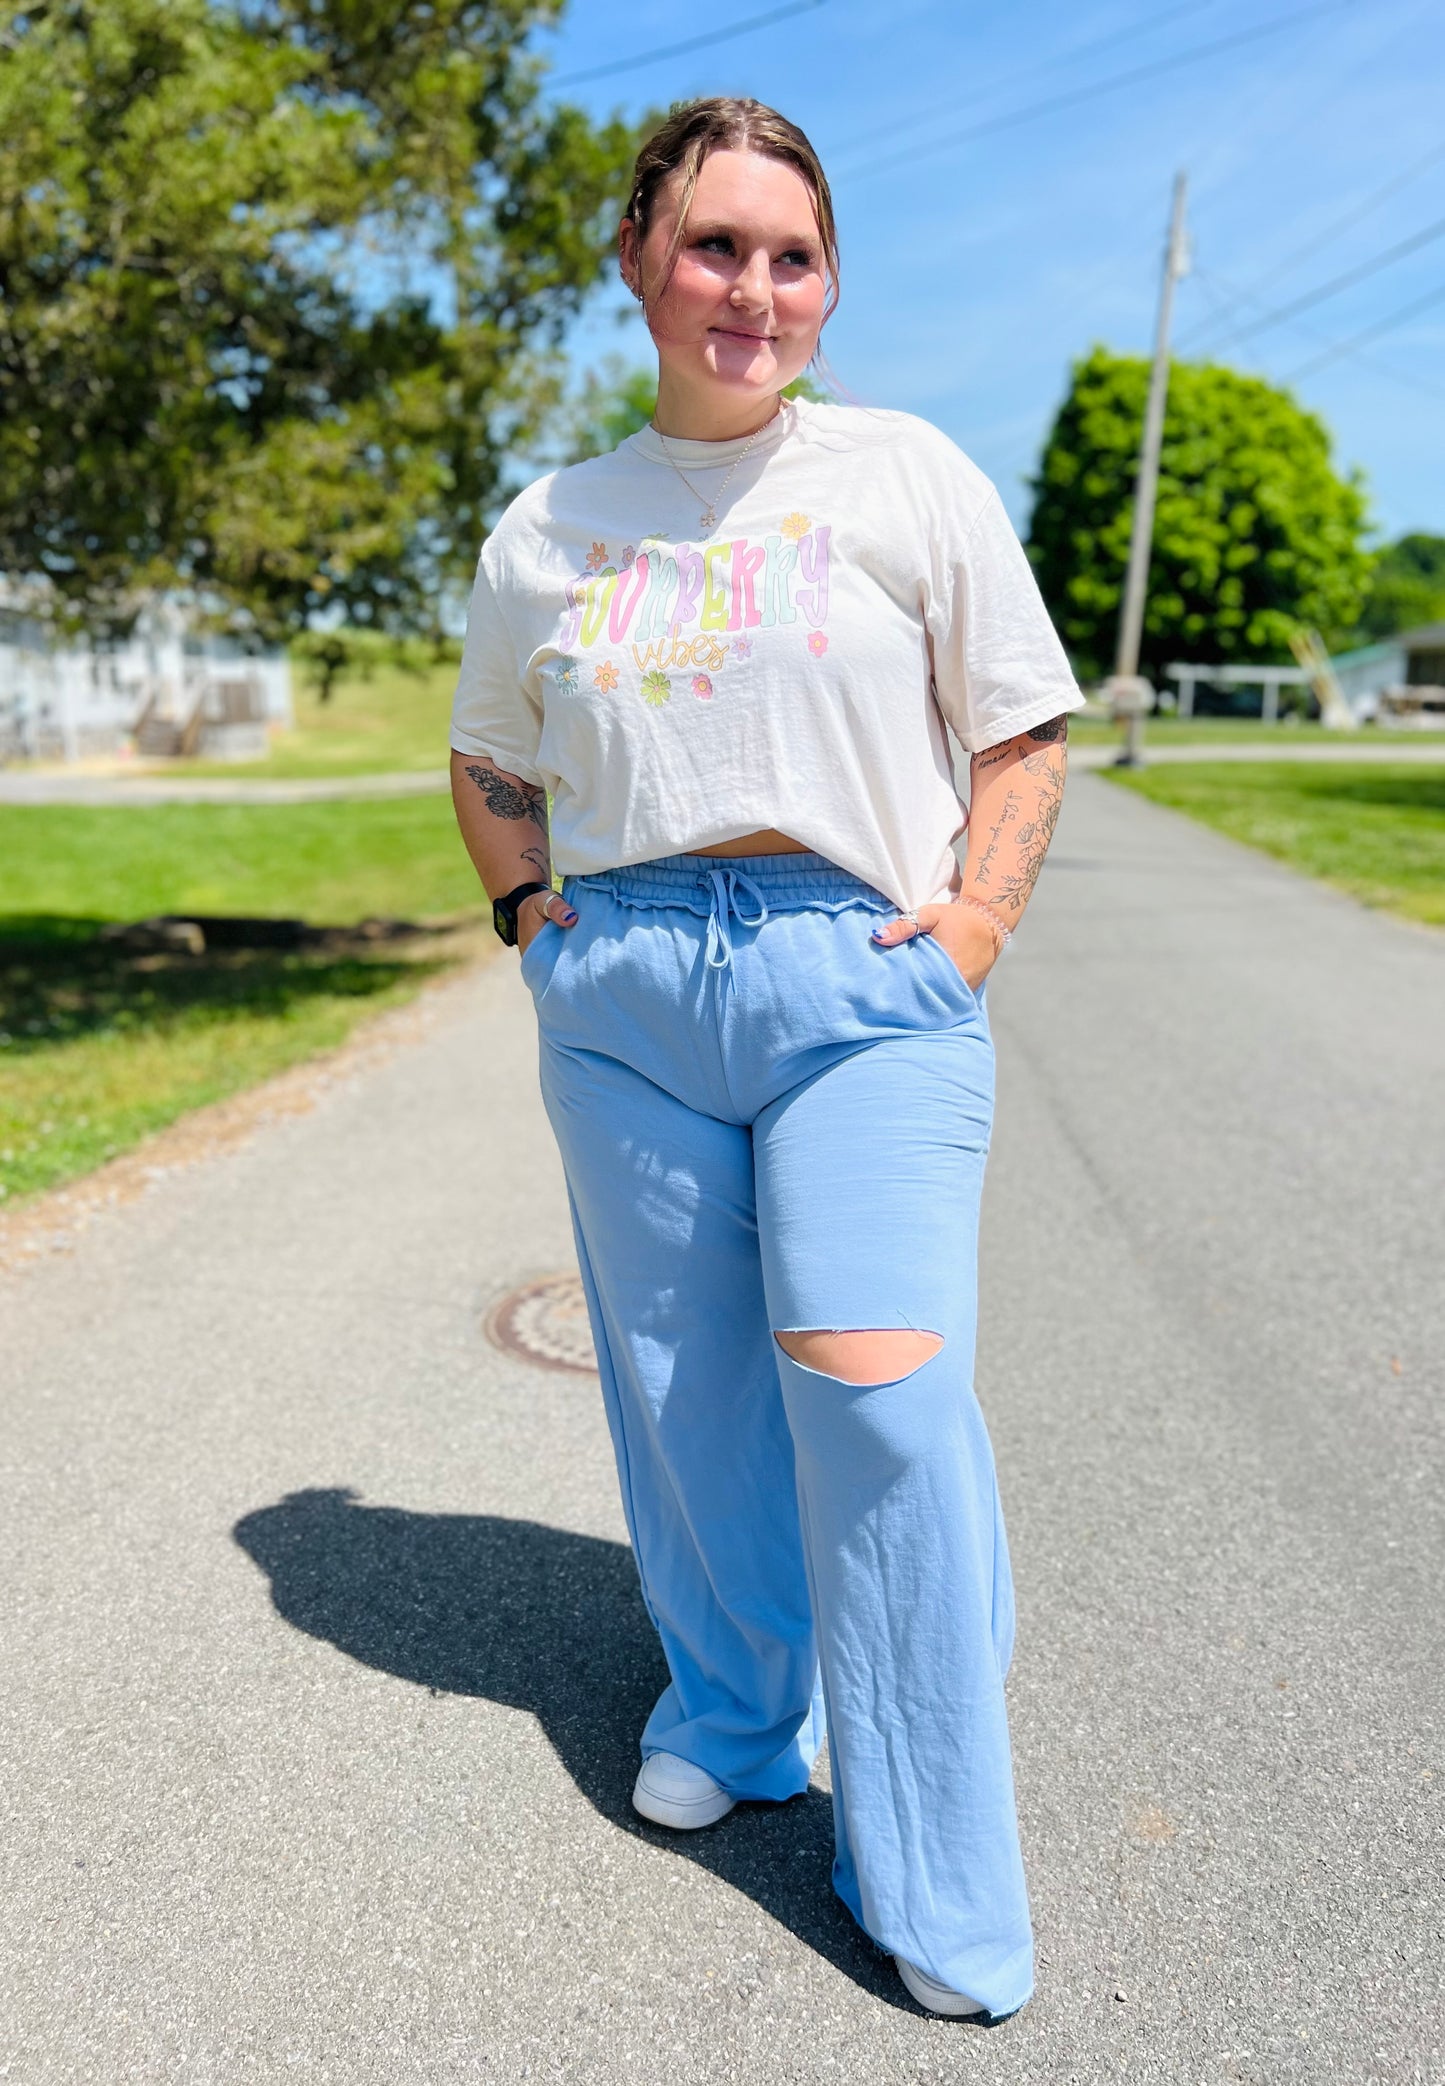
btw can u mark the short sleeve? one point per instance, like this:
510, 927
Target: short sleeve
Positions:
492, 711
998, 665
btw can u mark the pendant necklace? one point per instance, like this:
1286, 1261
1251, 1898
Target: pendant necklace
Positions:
707, 520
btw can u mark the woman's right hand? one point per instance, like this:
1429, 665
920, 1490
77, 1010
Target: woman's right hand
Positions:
540, 906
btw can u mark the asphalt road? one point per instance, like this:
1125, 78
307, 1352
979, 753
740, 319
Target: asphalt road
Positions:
323, 1660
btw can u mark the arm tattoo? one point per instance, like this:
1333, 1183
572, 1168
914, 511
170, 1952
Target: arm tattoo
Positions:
1008, 812
1047, 736
1033, 843
508, 799
1008, 865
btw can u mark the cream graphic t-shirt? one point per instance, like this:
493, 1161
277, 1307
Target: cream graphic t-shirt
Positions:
792, 667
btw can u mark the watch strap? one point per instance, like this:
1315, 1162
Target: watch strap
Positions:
505, 909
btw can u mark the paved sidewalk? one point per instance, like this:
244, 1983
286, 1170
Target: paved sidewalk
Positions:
21, 786
324, 1661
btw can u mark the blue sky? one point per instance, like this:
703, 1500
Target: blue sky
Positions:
975, 269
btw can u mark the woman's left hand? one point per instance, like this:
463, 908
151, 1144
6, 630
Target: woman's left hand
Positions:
961, 929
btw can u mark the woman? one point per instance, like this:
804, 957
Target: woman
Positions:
728, 650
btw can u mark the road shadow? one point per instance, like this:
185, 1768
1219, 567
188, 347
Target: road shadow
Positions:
551, 1623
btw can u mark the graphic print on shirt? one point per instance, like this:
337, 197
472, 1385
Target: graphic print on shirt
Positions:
667, 618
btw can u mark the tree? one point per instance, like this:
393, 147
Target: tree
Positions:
281, 284
1407, 587
612, 403
1254, 531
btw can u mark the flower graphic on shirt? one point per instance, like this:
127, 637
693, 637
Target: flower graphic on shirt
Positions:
566, 673
629, 554
656, 687
795, 525
741, 647
702, 687
597, 557
817, 644
605, 677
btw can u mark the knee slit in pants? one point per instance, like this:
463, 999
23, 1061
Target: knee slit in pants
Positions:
863, 1357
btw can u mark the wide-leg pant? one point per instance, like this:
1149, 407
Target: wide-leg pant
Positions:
769, 1121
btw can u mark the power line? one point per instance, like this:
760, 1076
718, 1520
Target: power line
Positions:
1078, 94
1352, 216
1358, 340
1205, 281
1028, 72
678, 50
1360, 210
1311, 104
1343, 282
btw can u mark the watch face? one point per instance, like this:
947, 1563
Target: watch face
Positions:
505, 922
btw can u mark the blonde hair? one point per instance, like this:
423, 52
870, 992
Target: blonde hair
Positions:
726, 123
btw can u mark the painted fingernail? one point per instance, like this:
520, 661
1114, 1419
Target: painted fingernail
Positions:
569, 917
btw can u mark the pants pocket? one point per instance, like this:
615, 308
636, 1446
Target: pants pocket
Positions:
535, 956
934, 953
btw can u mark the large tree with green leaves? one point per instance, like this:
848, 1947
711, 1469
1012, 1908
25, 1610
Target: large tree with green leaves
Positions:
1407, 587
1254, 532
282, 282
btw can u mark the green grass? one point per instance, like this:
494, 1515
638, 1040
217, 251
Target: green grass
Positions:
387, 723
1374, 830
333, 863
100, 1045
1168, 730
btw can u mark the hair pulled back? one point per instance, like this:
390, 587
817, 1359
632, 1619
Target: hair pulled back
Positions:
726, 123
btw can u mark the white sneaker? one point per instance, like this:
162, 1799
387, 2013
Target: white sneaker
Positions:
939, 1999
673, 1792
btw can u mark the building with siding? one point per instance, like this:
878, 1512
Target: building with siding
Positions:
1400, 682
167, 689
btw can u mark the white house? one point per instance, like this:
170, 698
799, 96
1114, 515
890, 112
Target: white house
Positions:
167, 689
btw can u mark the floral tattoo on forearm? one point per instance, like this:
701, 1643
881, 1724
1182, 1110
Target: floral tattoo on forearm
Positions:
507, 797
1007, 867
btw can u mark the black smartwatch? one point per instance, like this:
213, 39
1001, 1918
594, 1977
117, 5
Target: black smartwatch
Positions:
504, 911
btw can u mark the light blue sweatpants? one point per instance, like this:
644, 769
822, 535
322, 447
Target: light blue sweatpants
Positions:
769, 1121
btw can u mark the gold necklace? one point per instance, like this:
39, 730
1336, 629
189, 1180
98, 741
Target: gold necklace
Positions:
707, 520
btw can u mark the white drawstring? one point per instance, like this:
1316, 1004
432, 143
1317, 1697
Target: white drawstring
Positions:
724, 895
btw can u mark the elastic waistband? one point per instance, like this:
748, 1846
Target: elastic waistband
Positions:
787, 882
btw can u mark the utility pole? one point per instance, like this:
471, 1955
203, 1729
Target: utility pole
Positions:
1131, 695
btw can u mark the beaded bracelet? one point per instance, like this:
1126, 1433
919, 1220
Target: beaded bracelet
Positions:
1006, 934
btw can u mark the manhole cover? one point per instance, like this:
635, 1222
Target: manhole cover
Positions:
545, 1321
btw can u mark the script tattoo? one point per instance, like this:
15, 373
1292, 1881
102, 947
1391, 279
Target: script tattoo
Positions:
1008, 812
992, 755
